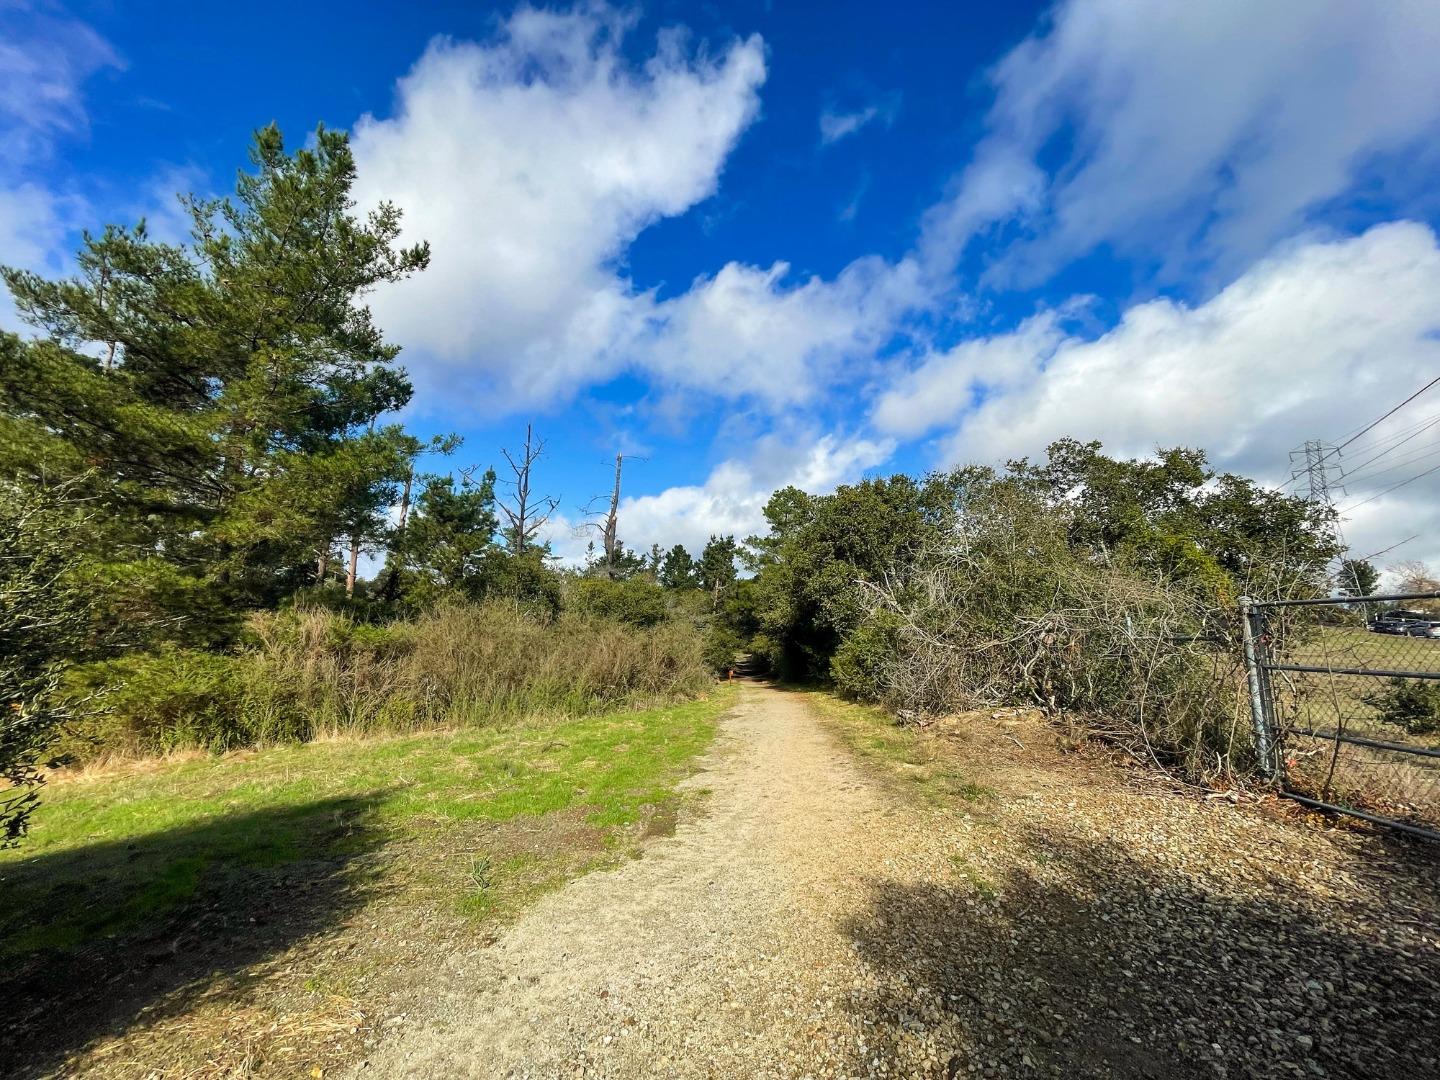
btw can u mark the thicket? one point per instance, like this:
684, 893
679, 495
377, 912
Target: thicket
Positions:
1092, 587
314, 673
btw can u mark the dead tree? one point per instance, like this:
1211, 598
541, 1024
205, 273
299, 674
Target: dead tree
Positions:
525, 513
611, 530
607, 525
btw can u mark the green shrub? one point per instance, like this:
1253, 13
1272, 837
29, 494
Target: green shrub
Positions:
635, 601
861, 663
722, 646
1412, 705
155, 702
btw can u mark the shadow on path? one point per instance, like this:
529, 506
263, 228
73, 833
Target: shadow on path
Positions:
1083, 961
94, 939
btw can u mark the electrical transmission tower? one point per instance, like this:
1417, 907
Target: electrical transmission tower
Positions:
1310, 469
1312, 466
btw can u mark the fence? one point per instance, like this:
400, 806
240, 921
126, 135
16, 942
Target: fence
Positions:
1345, 701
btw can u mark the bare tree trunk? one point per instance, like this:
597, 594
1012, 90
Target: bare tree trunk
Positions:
353, 567
612, 523
405, 499
322, 564
522, 497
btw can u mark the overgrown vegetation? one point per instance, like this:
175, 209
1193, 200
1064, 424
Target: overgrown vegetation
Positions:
197, 462
306, 674
1083, 584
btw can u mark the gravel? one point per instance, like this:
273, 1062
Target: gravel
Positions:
1083, 921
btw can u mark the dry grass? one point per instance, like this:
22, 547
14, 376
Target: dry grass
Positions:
313, 674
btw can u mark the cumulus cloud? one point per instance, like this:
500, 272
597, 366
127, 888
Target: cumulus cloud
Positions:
530, 163
1199, 131
744, 331
1303, 344
1313, 342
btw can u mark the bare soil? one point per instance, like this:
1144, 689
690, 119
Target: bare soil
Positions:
1064, 916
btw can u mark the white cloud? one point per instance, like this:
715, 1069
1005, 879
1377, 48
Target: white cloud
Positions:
1303, 345
32, 220
1192, 130
945, 385
745, 332
530, 163
44, 63
1311, 343
836, 124
732, 498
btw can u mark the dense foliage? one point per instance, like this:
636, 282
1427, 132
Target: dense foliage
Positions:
46, 614
1083, 583
195, 458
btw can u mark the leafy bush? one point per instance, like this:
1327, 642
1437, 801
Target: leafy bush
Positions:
634, 601
1412, 705
722, 646
168, 700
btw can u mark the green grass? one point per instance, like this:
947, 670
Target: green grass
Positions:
110, 855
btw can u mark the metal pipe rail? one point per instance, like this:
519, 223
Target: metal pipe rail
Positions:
1374, 744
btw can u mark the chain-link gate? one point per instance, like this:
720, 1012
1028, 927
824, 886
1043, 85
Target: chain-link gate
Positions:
1345, 700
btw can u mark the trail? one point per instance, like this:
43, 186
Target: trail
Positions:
1082, 920
721, 952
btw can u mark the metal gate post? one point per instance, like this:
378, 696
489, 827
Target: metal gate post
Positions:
1259, 707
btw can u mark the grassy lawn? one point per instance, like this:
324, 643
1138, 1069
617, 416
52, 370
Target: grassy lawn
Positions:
1380, 781
142, 894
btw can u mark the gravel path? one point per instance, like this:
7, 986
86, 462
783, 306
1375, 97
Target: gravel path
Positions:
815, 922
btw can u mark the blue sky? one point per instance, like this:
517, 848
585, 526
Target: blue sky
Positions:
764, 243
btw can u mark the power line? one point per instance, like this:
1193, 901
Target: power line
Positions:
1386, 551
1392, 487
1397, 433
1410, 460
1374, 423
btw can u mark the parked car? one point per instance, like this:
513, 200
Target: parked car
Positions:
1423, 629
1389, 626
1398, 621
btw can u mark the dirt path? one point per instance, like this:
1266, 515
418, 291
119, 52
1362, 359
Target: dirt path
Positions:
815, 923
720, 952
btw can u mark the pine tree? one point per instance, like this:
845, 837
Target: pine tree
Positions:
224, 394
